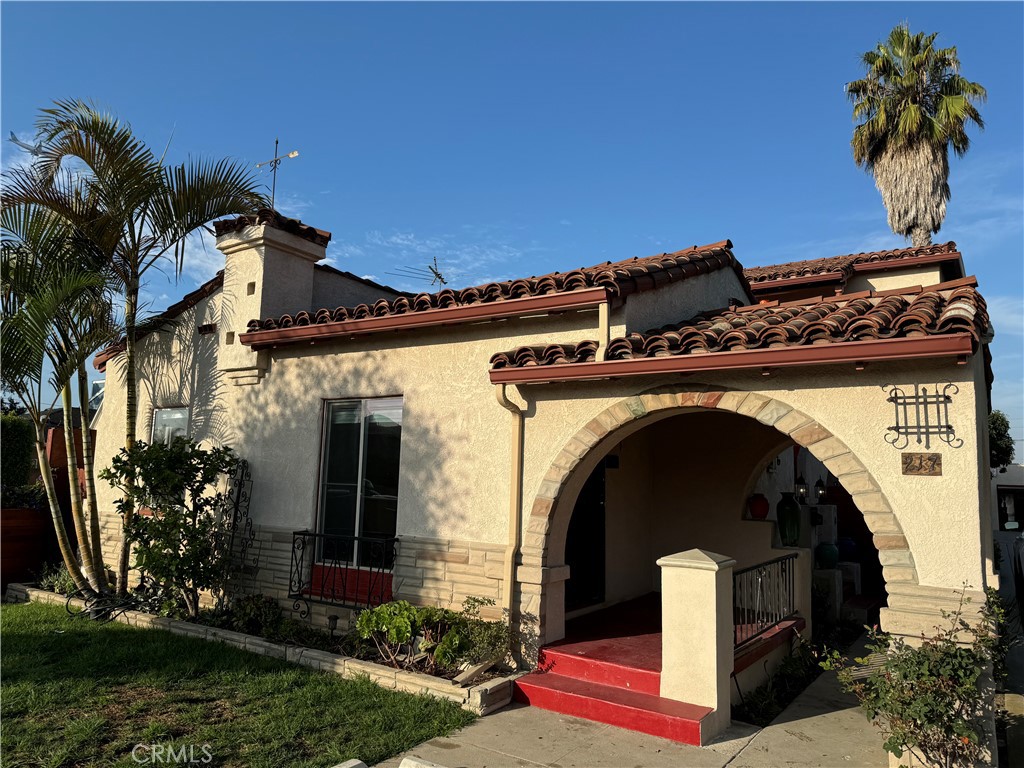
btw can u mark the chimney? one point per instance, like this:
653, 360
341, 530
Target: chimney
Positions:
268, 271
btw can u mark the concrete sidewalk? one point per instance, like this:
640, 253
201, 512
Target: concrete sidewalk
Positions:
823, 727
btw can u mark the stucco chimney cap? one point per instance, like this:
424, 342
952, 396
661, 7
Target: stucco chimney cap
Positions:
273, 219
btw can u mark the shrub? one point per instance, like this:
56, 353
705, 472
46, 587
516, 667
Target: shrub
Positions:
256, 615
17, 449
181, 546
23, 497
928, 699
436, 637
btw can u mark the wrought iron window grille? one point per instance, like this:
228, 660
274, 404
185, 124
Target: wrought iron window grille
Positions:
921, 416
326, 569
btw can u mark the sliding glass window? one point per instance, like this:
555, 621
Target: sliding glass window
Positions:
359, 480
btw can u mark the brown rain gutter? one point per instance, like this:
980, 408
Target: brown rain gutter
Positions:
952, 345
468, 313
515, 499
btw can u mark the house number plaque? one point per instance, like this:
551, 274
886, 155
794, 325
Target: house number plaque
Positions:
922, 463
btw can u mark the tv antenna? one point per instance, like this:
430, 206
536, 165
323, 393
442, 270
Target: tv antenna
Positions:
273, 166
432, 273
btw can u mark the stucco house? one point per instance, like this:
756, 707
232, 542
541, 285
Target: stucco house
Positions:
586, 449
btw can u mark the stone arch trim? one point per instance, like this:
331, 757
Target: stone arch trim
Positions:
893, 550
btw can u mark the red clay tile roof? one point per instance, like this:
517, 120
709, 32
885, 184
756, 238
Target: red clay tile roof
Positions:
843, 265
619, 278
948, 308
275, 220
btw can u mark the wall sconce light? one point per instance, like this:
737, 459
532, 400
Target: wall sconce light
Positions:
773, 465
819, 490
801, 489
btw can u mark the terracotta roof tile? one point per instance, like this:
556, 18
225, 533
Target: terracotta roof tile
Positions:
843, 265
948, 308
275, 220
619, 278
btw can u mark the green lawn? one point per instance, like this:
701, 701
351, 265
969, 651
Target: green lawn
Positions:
77, 693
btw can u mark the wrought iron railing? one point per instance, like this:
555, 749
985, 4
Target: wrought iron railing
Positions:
763, 595
347, 571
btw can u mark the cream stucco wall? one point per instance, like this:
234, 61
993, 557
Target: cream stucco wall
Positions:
333, 290
678, 302
897, 278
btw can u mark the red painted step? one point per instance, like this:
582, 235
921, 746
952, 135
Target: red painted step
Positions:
583, 661
636, 711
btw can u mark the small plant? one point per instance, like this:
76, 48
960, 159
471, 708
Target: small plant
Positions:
928, 699
181, 546
56, 579
252, 614
436, 638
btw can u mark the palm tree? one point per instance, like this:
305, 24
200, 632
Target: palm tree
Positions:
146, 210
913, 105
56, 306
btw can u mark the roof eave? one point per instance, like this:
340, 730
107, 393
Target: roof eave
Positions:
958, 345
470, 313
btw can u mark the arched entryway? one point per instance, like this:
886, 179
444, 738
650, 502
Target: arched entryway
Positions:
776, 424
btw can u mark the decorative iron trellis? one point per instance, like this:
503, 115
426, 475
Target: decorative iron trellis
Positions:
241, 532
347, 571
921, 416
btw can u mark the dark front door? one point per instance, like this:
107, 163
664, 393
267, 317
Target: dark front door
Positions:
585, 546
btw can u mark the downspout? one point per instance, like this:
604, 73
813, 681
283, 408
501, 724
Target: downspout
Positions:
515, 499
603, 330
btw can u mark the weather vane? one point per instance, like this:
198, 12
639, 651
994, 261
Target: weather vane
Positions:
273, 166
432, 272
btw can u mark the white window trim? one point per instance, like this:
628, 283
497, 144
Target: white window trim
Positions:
152, 421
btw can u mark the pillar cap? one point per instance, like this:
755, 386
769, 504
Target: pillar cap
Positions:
697, 559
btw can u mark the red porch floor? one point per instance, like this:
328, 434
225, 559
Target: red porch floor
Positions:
608, 669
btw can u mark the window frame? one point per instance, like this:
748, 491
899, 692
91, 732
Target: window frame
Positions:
157, 409
325, 419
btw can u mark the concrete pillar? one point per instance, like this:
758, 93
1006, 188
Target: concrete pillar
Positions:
803, 586
697, 633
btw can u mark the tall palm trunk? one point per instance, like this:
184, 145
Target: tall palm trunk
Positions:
89, 464
131, 416
63, 543
914, 182
85, 550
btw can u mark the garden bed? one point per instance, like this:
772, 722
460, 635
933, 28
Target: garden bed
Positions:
481, 699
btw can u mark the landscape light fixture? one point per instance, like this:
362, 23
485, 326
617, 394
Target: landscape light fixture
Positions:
276, 161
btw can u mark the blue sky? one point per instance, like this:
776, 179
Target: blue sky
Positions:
512, 139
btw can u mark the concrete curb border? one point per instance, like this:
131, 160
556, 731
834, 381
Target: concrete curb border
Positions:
482, 699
